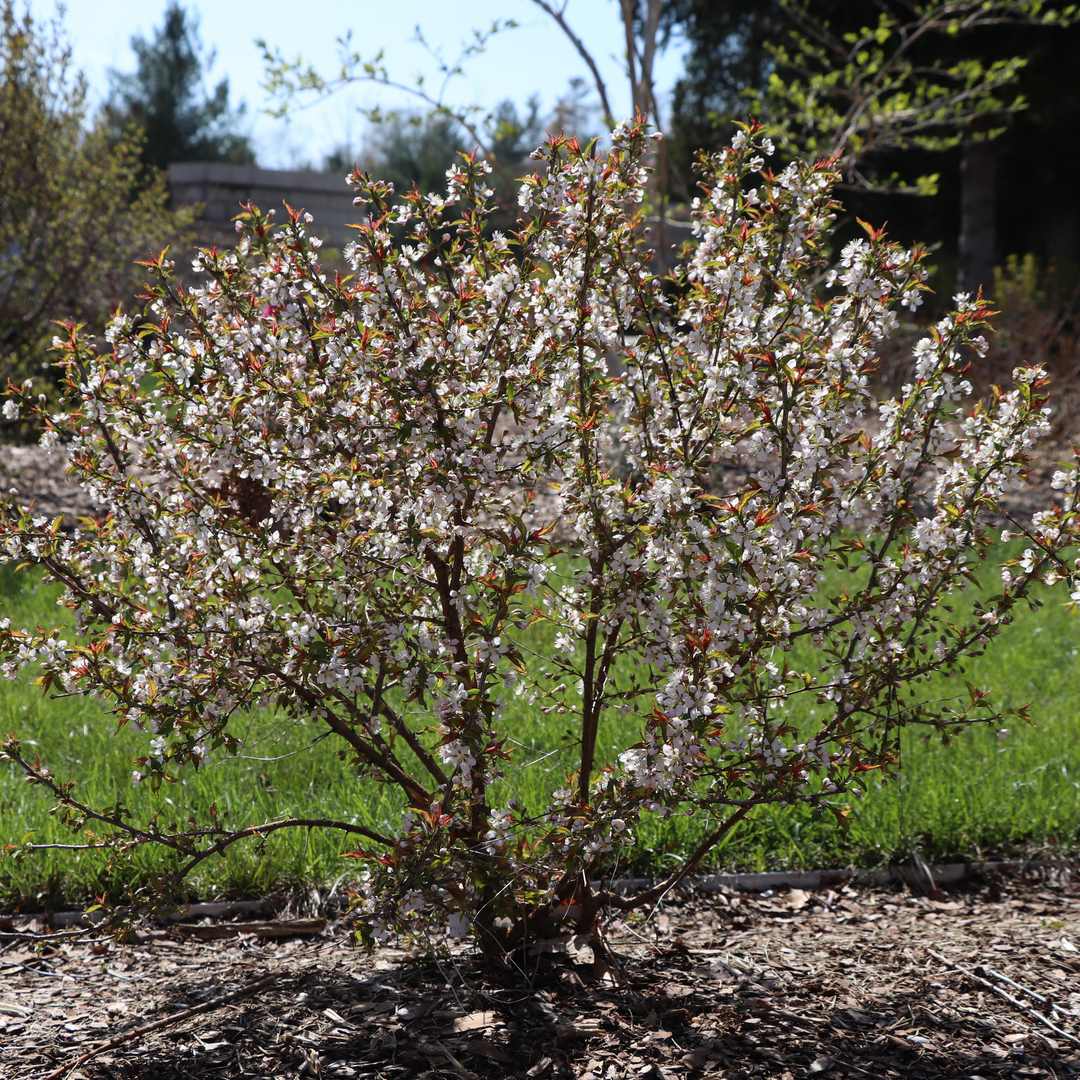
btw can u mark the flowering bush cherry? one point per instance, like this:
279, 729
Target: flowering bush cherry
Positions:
323, 495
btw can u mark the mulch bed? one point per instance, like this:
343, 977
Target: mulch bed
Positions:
786, 984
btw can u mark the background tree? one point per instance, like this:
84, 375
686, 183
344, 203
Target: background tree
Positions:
408, 150
903, 93
641, 24
413, 149
290, 80
164, 97
1038, 156
575, 111
727, 58
514, 137
913, 78
74, 212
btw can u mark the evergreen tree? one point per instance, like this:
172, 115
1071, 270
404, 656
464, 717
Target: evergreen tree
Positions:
164, 97
728, 58
408, 150
514, 137
413, 149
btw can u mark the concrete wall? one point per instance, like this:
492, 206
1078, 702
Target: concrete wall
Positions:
223, 188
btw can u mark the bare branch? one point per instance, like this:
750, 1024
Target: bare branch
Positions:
559, 15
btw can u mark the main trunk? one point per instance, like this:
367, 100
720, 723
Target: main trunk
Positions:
977, 215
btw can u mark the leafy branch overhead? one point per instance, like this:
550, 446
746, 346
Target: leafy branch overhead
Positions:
288, 81
896, 84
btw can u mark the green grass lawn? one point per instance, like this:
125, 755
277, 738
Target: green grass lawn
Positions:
981, 796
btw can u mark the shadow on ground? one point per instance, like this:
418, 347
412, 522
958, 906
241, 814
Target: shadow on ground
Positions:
861, 983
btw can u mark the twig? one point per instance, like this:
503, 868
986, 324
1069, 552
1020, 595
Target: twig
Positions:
208, 1006
52, 935
559, 15
865, 1072
1030, 993
1007, 996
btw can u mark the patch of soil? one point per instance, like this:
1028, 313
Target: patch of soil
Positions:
982, 983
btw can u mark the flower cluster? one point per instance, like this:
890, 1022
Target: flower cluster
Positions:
323, 493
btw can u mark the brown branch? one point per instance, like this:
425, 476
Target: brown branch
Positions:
647, 56
52, 935
654, 895
139, 836
379, 707
157, 1025
415, 793
601, 89
414, 743
365, 750
591, 696
636, 85
273, 826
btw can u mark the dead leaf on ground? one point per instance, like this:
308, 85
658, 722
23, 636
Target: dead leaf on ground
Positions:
484, 1048
476, 1020
796, 899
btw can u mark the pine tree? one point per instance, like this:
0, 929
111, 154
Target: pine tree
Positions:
164, 97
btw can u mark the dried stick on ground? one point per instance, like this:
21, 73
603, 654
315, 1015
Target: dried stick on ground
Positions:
986, 984
1030, 993
195, 1010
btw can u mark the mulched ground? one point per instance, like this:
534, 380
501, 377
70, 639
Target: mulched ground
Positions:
850, 983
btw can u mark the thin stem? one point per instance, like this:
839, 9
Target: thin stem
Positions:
64, 798
591, 699
656, 893
272, 826
601, 88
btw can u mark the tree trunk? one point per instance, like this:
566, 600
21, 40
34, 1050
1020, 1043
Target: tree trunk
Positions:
977, 215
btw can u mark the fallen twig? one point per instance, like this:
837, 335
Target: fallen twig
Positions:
15, 936
865, 1072
195, 1010
1030, 993
278, 928
1007, 996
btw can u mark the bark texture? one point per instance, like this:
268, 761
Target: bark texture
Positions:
978, 236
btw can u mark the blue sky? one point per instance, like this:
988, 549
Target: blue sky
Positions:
535, 58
